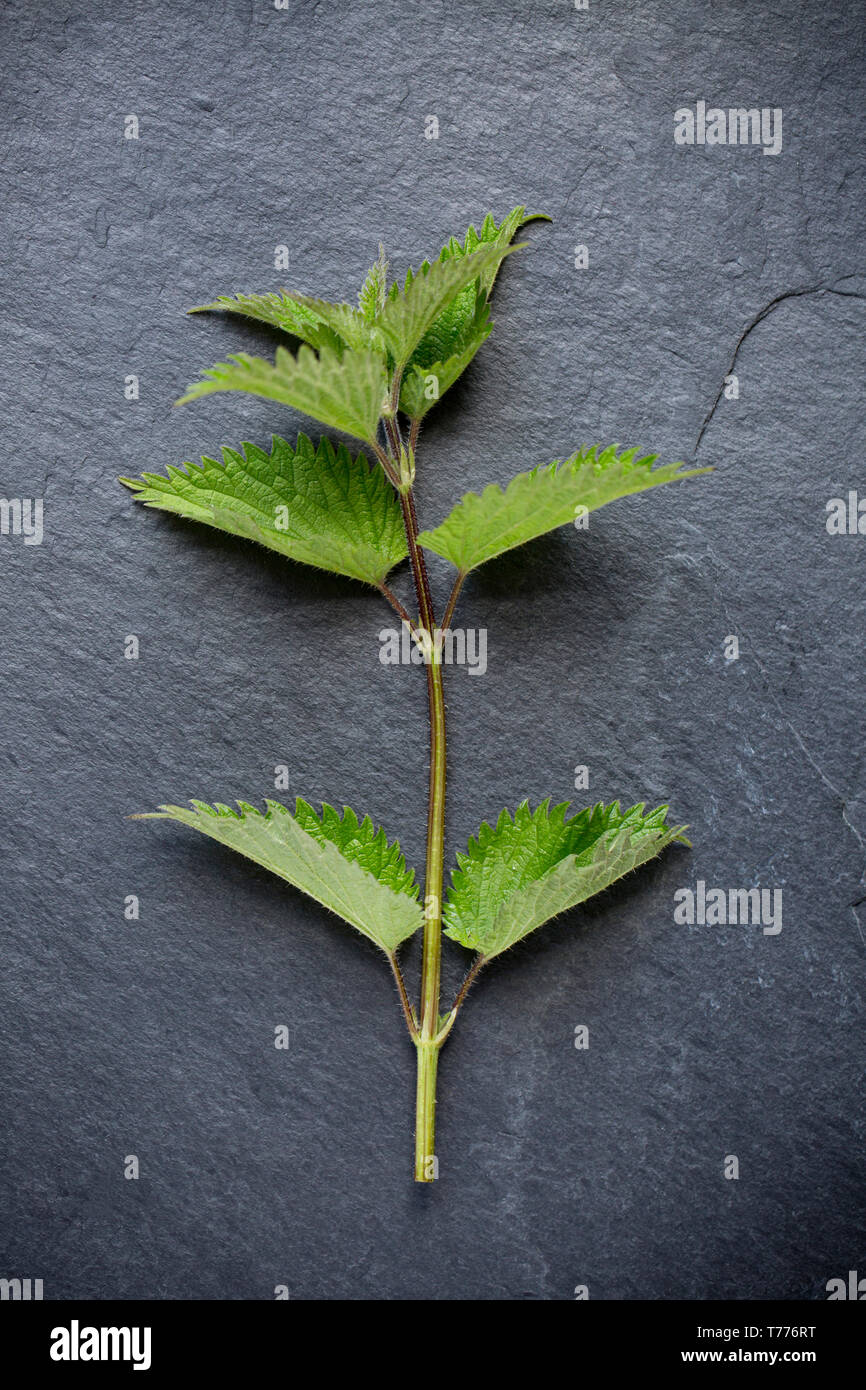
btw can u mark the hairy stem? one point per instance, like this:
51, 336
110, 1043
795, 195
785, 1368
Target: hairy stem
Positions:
408, 1011
461, 997
416, 559
435, 852
467, 984
395, 392
395, 603
428, 1043
395, 439
389, 469
425, 1112
452, 601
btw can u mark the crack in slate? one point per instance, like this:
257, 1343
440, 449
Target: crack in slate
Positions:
823, 287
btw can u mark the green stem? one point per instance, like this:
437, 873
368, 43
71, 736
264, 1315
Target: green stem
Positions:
428, 1042
425, 1112
435, 851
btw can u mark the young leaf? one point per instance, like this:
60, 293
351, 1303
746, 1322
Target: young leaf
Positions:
532, 867
316, 321
281, 310
371, 296
481, 527
345, 864
455, 336
345, 392
490, 235
348, 324
429, 376
409, 313
319, 506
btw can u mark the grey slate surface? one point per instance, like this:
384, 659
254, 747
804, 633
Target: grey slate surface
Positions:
155, 1037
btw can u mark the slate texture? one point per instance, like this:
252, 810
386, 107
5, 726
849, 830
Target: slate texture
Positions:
306, 127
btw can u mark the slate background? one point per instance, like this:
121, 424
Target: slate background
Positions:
155, 1037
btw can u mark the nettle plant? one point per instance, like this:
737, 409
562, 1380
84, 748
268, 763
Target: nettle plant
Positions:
374, 372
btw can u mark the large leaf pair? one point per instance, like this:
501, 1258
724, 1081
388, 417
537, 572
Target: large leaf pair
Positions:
325, 508
515, 876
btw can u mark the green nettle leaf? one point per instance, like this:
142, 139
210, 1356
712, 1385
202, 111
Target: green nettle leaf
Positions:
361, 842
318, 322
410, 313
278, 309
455, 336
528, 869
371, 296
320, 506
351, 328
426, 381
345, 864
483, 526
452, 328
490, 235
345, 392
